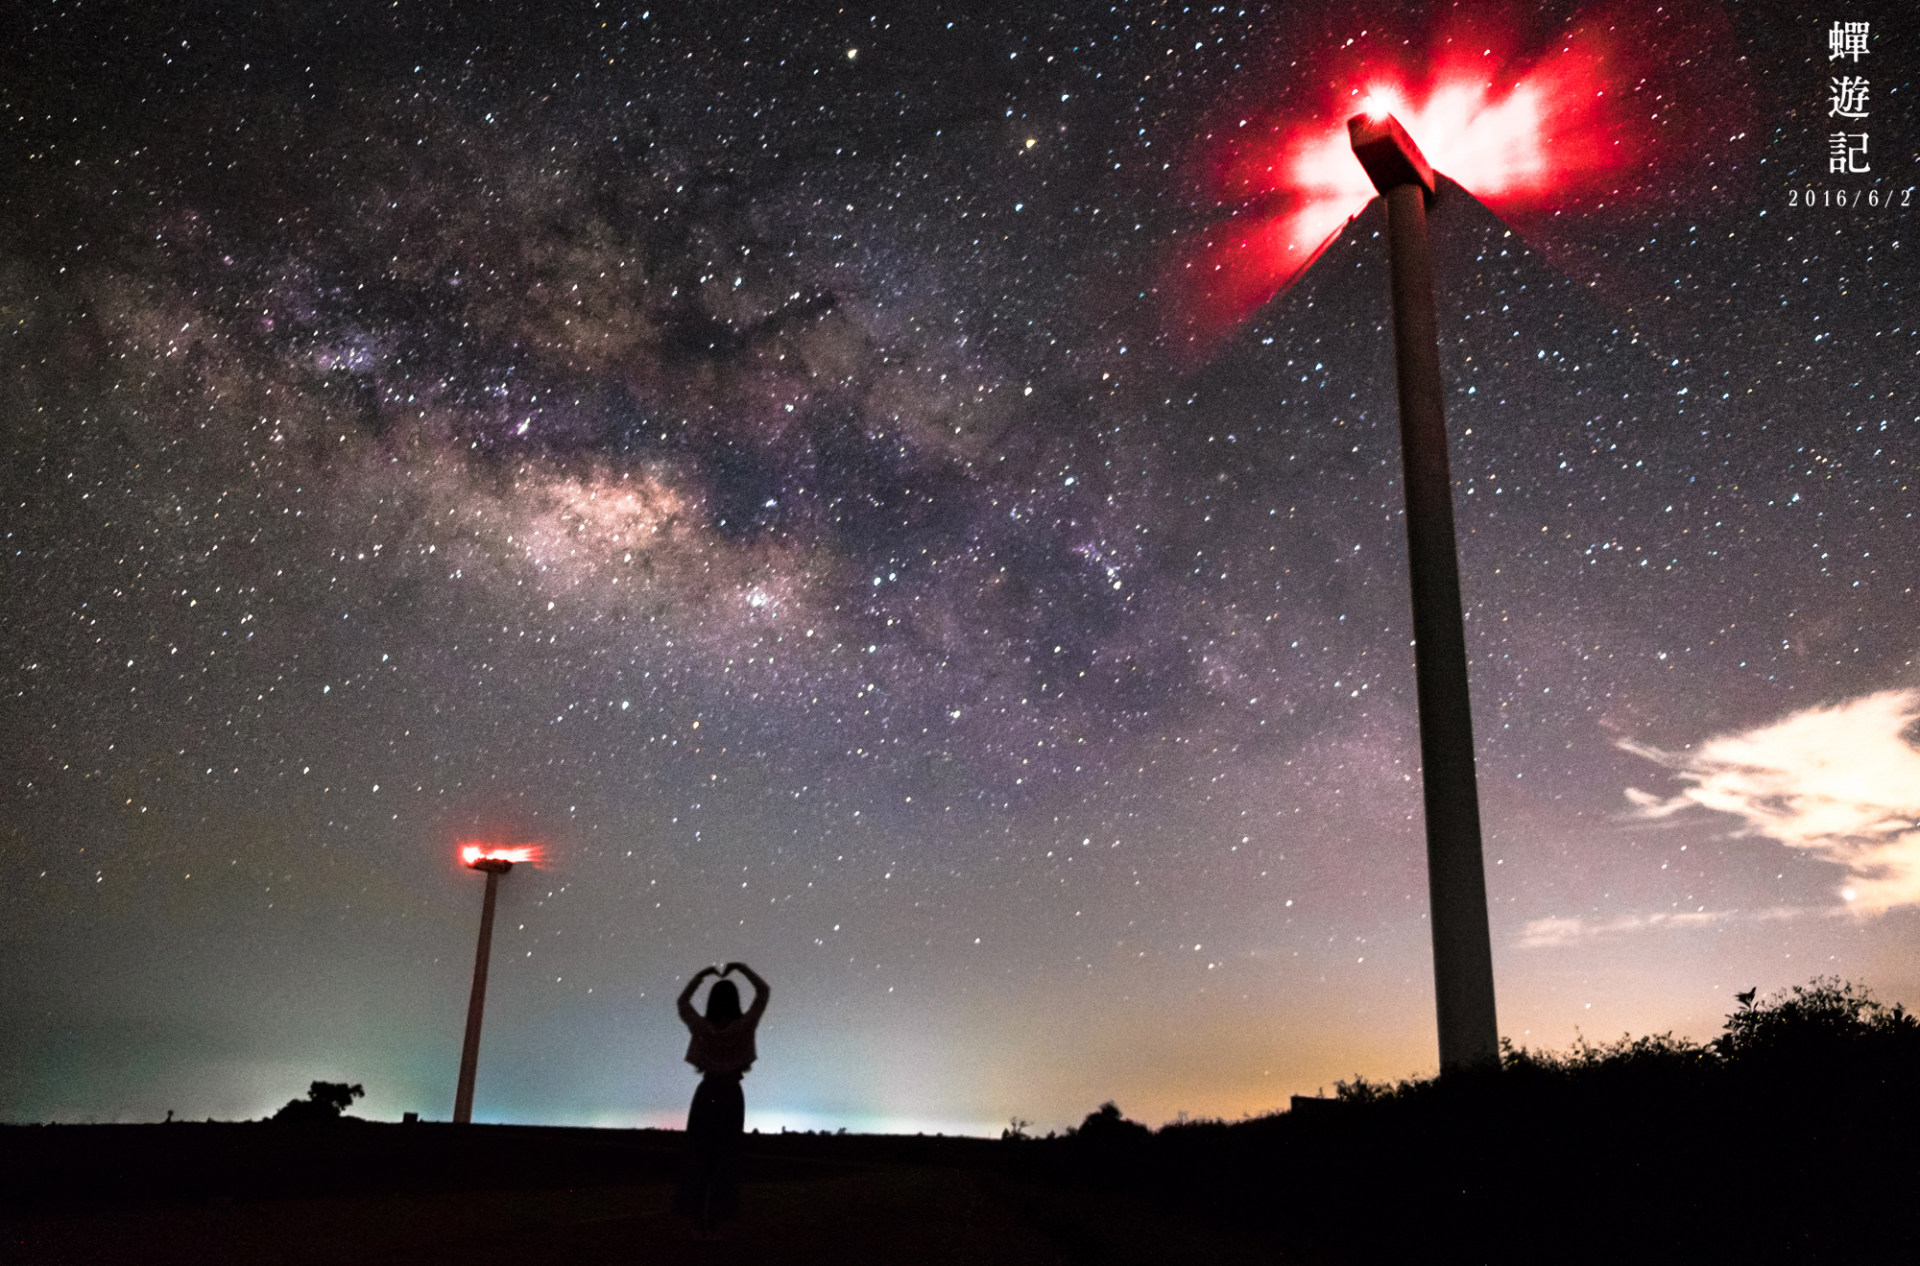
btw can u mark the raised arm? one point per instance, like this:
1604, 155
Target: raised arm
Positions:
759, 990
687, 1013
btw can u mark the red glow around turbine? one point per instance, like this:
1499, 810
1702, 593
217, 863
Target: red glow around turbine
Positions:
1624, 105
532, 854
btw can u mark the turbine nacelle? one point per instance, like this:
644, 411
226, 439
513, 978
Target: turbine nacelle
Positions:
1386, 152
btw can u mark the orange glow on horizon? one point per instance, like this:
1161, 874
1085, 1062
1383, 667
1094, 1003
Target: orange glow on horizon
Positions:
531, 854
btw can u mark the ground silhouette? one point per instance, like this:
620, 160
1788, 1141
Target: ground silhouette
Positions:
1793, 1136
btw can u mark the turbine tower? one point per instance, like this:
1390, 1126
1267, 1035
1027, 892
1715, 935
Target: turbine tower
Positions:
493, 866
1456, 873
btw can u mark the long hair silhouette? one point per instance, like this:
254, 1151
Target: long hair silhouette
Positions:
723, 1003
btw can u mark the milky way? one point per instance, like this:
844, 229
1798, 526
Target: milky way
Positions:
770, 463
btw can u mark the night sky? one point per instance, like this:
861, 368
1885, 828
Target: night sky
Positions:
780, 461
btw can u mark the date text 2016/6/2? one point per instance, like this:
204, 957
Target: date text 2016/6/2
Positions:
1812, 197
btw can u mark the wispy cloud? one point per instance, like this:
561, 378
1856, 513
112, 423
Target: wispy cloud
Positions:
1555, 931
1842, 782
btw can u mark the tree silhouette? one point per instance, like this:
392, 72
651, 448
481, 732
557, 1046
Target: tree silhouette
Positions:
1105, 1126
325, 1101
1826, 1016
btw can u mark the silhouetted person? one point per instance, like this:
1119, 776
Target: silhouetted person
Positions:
722, 1049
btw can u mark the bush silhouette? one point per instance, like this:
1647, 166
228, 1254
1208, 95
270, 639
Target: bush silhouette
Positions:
325, 1101
1828, 1017
1793, 1136
1107, 1126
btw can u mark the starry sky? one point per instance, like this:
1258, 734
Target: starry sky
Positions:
778, 459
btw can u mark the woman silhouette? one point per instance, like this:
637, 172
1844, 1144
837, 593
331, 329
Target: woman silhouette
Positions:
722, 1049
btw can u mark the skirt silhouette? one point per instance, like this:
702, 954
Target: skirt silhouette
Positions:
710, 1169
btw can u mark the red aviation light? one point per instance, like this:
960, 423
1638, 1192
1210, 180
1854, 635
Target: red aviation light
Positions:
1380, 102
473, 854
1627, 103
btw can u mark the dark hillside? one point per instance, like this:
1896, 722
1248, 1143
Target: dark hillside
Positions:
1793, 1137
